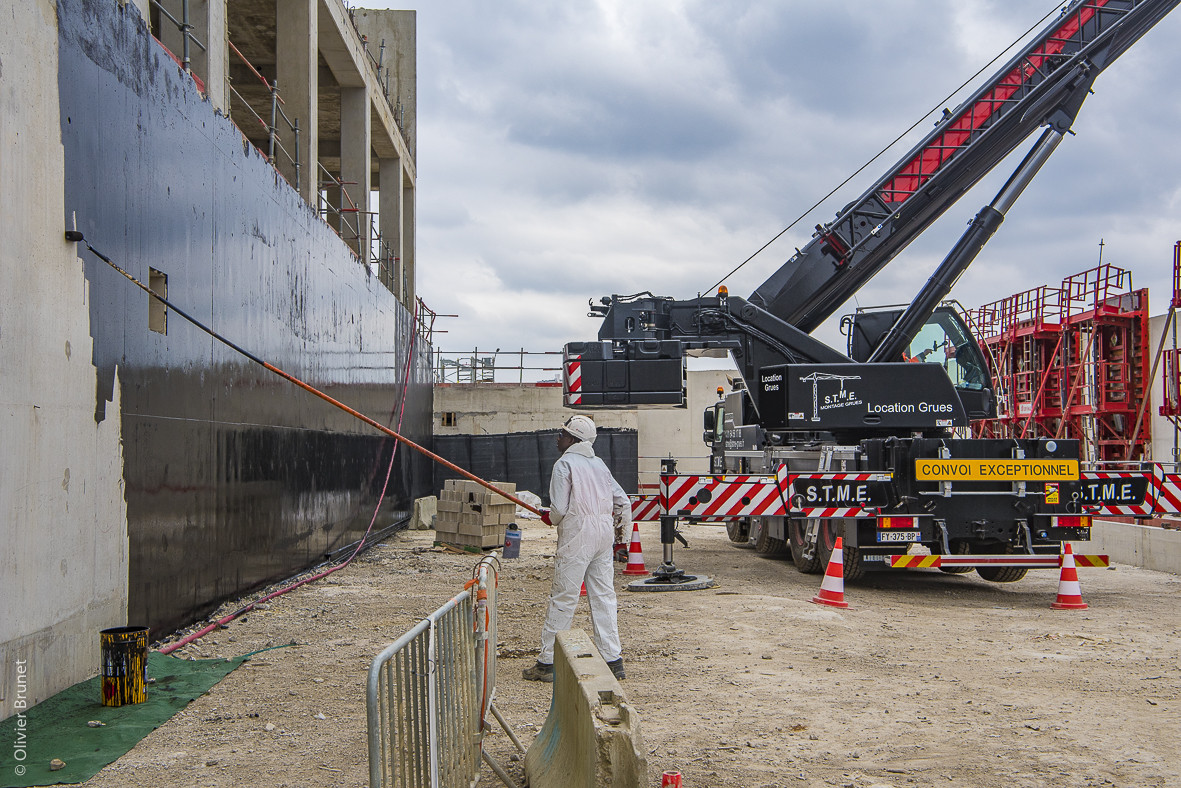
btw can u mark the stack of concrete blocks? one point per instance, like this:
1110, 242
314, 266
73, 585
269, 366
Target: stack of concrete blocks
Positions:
471, 515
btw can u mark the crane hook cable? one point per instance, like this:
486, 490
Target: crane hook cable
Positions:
76, 236
882, 152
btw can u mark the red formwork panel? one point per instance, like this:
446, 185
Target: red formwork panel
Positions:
1071, 362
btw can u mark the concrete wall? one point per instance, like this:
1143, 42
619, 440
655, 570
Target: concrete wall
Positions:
1145, 546
1164, 437
678, 432
63, 521
497, 408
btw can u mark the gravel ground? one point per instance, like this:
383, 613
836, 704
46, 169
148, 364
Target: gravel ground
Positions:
928, 679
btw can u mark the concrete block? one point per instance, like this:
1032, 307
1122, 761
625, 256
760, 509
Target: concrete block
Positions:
591, 738
477, 519
424, 513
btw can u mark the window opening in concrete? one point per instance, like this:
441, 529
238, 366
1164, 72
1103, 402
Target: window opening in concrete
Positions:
447, 419
157, 312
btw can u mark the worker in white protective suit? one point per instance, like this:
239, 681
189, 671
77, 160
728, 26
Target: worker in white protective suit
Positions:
587, 506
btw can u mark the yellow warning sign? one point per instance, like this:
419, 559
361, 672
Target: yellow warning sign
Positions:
996, 470
1051, 493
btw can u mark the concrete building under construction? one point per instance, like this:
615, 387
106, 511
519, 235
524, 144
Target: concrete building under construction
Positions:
253, 162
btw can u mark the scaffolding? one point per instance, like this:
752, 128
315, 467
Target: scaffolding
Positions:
1071, 362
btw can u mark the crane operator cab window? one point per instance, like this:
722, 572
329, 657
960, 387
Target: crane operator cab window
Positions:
946, 341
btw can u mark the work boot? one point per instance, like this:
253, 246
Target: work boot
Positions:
543, 672
617, 668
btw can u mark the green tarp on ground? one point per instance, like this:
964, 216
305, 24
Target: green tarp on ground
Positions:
56, 728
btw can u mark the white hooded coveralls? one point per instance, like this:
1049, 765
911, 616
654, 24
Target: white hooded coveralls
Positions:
586, 502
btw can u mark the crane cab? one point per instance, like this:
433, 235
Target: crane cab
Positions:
944, 339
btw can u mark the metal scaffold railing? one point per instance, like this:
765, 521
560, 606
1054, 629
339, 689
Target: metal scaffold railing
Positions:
185, 27
277, 114
522, 367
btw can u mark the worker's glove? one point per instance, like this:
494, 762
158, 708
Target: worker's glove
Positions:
545, 517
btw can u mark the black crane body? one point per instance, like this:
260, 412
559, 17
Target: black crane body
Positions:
909, 380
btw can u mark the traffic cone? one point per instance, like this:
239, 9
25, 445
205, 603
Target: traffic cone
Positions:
583, 591
1070, 595
832, 588
635, 554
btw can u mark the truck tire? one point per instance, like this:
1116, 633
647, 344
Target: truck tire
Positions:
795, 533
958, 547
765, 544
739, 532
1002, 574
829, 531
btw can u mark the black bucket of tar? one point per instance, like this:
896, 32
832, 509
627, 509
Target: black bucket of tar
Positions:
124, 665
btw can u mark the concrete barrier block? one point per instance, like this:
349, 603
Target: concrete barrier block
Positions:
423, 518
591, 738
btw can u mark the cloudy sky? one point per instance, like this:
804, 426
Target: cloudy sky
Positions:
571, 150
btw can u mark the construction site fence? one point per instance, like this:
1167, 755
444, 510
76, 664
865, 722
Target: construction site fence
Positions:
430, 691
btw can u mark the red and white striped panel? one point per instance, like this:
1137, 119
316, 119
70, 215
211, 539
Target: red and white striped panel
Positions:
720, 497
645, 508
1124, 510
786, 482
1166, 491
572, 380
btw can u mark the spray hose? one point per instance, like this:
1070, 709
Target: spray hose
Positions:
76, 237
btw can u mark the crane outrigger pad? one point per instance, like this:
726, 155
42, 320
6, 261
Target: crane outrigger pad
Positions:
684, 583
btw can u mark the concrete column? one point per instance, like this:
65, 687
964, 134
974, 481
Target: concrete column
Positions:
408, 244
297, 71
354, 165
390, 218
215, 65
333, 199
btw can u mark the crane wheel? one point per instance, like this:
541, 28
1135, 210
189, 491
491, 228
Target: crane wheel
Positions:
739, 532
1001, 574
958, 547
829, 531
765, 544
795, 533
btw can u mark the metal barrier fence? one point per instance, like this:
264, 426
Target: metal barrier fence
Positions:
429, 693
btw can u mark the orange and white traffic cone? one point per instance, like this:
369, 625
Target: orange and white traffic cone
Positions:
583, 591
832, 588
635, 554
1070, 595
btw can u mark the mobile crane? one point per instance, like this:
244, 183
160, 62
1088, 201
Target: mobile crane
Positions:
816, 443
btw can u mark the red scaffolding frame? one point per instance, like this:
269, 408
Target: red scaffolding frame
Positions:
1071, 362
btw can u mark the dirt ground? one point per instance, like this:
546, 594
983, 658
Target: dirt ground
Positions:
928, 679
